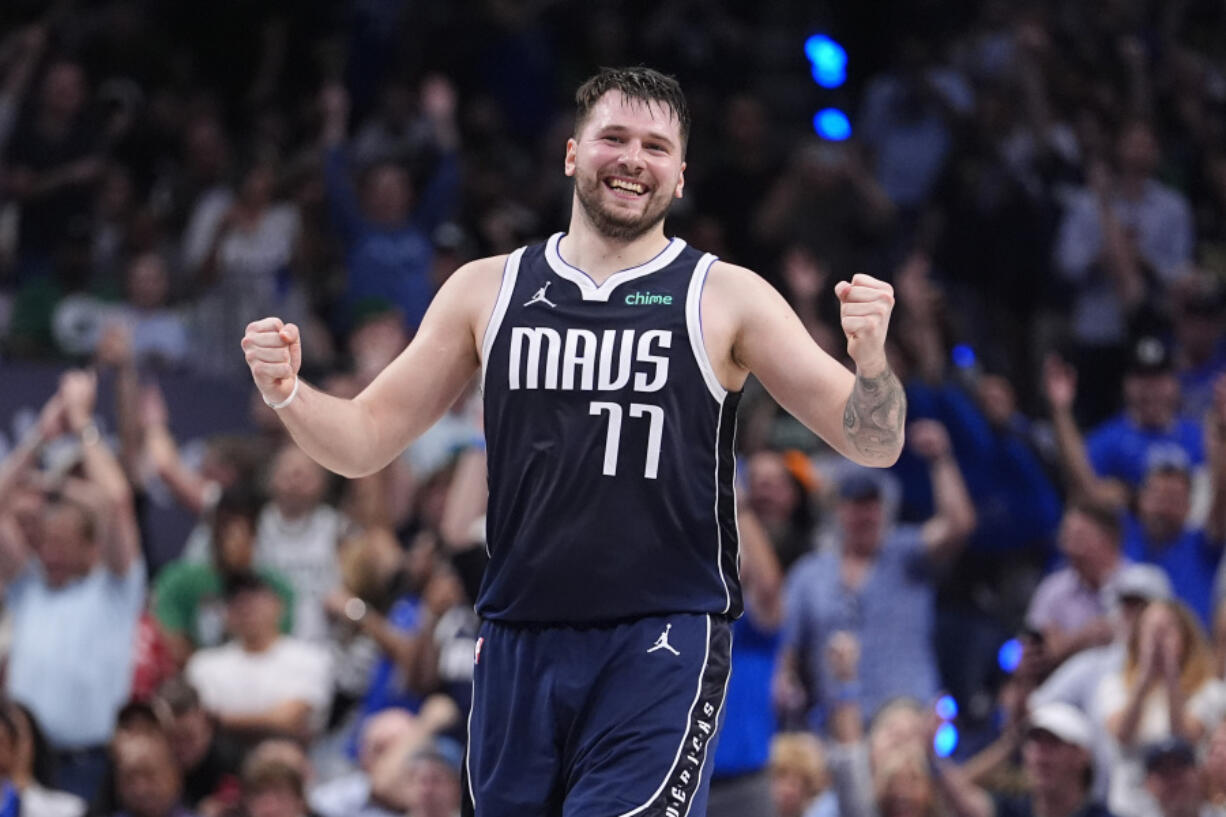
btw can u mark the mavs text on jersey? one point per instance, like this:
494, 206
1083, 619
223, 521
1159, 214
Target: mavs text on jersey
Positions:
610, 445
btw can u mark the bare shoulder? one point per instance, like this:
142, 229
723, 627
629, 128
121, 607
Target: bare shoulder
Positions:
472, 290
731, 294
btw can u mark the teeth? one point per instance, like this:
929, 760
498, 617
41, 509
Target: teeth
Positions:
633, 187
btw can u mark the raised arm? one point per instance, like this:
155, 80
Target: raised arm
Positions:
954, 520
1060, 388
1215, 444
751, 328
359, 436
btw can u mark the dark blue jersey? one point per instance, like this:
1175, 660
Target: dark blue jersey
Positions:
610, 445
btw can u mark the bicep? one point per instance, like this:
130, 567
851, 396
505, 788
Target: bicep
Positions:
770, 341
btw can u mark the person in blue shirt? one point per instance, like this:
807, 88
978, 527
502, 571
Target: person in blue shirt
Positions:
386, 234
1157, 533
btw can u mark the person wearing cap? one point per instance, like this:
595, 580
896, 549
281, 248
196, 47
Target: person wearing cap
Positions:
879, 585
433, 785
262, 683
1158, 533
1056, 756
1174, 779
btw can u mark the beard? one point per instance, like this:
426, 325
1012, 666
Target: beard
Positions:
618, 226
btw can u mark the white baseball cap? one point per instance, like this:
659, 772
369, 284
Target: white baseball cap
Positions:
1065, 721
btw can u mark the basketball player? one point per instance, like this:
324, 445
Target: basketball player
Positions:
611, 359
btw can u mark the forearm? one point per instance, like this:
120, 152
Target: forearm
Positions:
1083, 483
291, 719
1125, 728
953, 502
18, 463
874, 416
761, 578
1215, 523
466, 499
337, 433
963, 797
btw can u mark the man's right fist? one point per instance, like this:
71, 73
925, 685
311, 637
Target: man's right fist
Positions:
274, 353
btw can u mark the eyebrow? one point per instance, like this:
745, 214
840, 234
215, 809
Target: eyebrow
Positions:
651, 135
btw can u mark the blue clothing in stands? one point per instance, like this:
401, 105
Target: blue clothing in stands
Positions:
1120, 449
1190, 561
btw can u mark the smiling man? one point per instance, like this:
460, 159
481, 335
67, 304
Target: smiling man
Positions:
612, 359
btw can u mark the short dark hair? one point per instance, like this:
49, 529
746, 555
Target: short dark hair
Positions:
640, 83
1105, 518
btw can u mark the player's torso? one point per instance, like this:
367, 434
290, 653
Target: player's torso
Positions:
610, 444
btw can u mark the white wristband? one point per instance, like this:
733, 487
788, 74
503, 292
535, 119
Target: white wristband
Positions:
293, 393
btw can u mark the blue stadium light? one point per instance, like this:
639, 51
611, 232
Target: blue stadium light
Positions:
828, 60
1010, 655
947, 708
945, 740
963, 355
832, 125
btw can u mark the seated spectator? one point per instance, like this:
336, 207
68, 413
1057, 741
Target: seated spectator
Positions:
1173, 778
31, 769
352, 795
878, 585
781, 501
1158, 532
1056, 756
1166, 689
800, 784
209, 761
75, 594
262, 683
433, 780
274, 782
1068, 606
187, 596
148, 780
298, 535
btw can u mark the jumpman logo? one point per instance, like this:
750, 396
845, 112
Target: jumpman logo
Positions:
540, 298
662, 642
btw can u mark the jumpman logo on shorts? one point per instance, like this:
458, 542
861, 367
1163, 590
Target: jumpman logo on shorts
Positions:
662, 642
539, 297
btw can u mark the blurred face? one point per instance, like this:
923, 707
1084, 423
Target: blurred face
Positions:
64, 550
1178, 788
862, 521
381, 734
234, 540
388, 195
190, 735
772, 494
907, 794
1163, 504
146, 776
1159, 621
258, 186
1087, 547
895, 728
433, 789
997, 398
205, 146
254, 616
790, 792
1198, 335
1152, 398
1138, 150
1053, 766
298, 482
377, 342
275, 801
63, 91
627, 162
147, 282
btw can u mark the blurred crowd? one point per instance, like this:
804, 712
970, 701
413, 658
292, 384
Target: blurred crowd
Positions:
1044, 183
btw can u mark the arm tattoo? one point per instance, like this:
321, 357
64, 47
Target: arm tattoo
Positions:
875, 415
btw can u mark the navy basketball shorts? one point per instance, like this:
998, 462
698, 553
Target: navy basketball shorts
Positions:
608, 721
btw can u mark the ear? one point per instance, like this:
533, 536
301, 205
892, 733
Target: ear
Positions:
680, 182
568, 165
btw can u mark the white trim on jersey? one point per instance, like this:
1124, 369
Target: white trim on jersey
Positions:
510, 274
685, 728
693, 325
719, 528
589, 289
468, 747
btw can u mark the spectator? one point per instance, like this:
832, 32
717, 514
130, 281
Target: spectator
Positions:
32, 770
188, 598
1166, 689
1068, 606
298, 535
84, 574
879, 585
1199, 324
386, 236
262, 683
1056, 756
433, 780
351, 795
800, 784
780, 500
209, 761
148, 780
274, 783
1173, 778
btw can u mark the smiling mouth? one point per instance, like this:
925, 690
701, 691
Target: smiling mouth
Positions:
625, 187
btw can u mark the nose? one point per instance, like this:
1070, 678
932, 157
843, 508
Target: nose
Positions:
632, 154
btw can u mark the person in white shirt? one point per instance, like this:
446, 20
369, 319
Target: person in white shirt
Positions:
262, 683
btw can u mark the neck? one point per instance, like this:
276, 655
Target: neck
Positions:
1132, 185
599, 256
1057, 803
260, 643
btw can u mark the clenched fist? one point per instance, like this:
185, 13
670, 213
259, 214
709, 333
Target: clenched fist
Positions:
274, 353
865, 305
